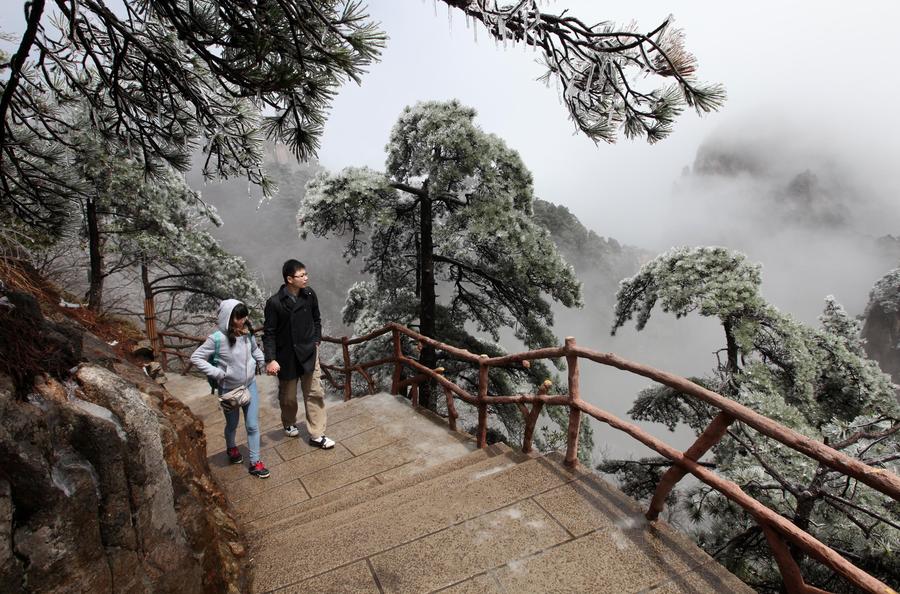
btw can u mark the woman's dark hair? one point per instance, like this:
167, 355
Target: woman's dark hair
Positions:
240, 311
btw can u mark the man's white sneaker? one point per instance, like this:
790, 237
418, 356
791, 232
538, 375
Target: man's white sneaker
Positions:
291, 431
322, 442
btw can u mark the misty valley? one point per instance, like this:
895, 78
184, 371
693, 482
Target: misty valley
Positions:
321, 296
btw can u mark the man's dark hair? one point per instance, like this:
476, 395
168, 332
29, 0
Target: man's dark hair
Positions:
290, 268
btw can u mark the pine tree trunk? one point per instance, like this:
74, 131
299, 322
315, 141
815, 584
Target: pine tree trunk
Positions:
806, 505
731, 366
427, 297
150, 311
95, 274
732, 347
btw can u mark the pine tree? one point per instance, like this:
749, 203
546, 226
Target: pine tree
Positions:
158, 228
451, 216
816, 381
170, 77
881, 328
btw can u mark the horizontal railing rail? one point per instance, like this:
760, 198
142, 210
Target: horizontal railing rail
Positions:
167, 349
779, 531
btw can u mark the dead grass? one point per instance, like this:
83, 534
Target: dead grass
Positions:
18, 275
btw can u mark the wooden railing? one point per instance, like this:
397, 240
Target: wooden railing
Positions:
779, 531
181, 350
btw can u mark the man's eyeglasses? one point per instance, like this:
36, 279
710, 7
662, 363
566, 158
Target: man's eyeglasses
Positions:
300, 275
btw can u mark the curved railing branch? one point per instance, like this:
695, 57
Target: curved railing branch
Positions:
732, 491
359, 339
877, 478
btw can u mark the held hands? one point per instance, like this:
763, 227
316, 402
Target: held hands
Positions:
273, 367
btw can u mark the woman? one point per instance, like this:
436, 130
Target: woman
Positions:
238, 357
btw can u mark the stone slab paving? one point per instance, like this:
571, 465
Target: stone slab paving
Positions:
476, 545
355, 577
363, 491
397, 519
404, 505
610, 548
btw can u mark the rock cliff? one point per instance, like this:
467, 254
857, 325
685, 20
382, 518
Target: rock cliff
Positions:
881, 322
104, 484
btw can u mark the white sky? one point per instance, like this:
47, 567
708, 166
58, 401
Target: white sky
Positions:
806, 77
826, 68
822, 66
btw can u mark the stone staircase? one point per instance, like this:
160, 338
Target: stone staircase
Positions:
402, 504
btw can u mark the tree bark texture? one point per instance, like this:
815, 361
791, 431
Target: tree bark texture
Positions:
427, 297
95, 287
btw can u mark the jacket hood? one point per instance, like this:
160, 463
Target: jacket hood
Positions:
224, 315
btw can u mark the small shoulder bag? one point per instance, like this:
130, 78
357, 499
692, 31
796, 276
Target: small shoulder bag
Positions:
239, 396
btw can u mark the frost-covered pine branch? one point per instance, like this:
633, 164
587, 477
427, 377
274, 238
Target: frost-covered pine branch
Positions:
601, 69
816, 381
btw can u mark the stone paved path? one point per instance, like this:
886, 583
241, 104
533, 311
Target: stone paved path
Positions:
402, 504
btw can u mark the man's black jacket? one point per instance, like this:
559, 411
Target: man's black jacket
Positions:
291, 332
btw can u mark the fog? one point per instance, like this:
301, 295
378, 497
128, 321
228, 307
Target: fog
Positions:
798, 170
809, 95
801, 208
805, 209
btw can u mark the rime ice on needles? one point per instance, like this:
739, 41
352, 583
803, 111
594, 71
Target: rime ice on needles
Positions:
482, 227
214, 93
816, 381
886, 292
624, 59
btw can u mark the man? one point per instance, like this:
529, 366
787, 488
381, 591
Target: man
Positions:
291, 335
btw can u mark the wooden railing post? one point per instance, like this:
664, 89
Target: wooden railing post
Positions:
532, 416
710, 437
348, 374
790, 571
574, 412
398, 366
452, 415
150, 326
482, 402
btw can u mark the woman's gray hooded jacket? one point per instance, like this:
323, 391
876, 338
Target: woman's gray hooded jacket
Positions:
237, 362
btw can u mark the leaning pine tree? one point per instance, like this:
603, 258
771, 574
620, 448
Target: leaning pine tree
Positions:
816, 381
157, 228
448, 237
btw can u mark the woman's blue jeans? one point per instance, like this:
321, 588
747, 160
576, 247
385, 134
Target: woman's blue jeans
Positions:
251, 423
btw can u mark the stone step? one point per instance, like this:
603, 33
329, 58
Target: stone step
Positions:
364, 491
372, 411
206, 406
303, 551
339, 428
612, 549
402, 504
377, 443
580, 536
